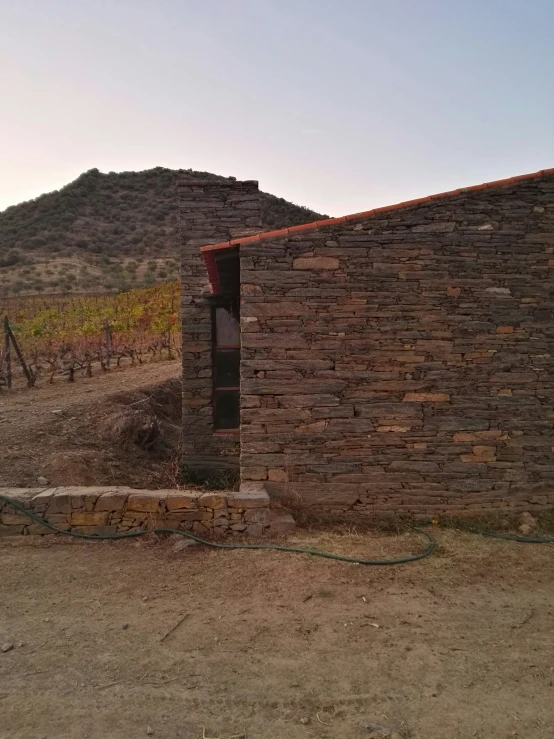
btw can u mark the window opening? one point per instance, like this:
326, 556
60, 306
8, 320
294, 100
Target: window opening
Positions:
226, 366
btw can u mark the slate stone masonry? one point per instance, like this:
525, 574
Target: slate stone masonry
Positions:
112, 510
209, 211
404, 363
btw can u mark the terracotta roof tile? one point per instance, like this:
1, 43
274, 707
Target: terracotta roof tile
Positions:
322, 224
268, 235
303, 227
209, 249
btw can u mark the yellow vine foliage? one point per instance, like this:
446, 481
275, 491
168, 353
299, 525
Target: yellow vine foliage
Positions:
56, 332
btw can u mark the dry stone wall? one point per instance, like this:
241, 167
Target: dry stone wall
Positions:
404, 363
210, 212
112, 510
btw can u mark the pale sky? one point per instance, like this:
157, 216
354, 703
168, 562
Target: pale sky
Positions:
340, 105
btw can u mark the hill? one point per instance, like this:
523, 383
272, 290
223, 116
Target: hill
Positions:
106, 232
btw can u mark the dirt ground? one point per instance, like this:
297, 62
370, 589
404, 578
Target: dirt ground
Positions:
274, 645
74, 433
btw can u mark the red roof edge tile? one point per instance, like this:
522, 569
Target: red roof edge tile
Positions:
303, 227
268, 235
324, 223
209, 249
232, 242
357, 216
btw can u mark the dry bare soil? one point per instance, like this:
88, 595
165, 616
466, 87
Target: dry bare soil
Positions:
121, 427
276, 646
273, 645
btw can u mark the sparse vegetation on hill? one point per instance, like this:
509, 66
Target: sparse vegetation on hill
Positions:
106, 232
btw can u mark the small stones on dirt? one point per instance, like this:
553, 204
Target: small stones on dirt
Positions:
42, 481
528, 518
183, 543
149, 730
305, 720
528, 523
7, 647
376, 730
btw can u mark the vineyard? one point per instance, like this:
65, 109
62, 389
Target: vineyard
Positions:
64, 335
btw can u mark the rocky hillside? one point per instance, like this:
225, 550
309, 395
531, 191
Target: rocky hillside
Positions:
106, 232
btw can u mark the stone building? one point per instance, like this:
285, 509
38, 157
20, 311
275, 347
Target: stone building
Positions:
397, 360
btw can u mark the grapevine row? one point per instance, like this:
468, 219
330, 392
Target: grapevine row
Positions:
59, 334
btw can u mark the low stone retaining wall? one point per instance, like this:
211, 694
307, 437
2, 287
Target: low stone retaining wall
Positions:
111, 510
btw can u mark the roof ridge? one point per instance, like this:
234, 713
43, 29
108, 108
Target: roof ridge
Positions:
315, 225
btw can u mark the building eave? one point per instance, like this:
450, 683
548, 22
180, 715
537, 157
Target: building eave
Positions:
210, 250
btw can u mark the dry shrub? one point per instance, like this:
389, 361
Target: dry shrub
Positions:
128, 426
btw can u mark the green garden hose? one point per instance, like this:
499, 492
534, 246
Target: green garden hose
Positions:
508, 537
276, 547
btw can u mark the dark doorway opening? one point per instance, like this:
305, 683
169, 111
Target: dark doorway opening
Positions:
226, 364
226, 342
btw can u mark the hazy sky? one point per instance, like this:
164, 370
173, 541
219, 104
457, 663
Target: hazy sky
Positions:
340, 105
